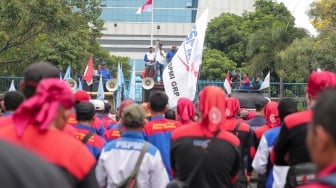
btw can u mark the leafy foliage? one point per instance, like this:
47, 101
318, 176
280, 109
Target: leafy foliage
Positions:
215, 65
59, 31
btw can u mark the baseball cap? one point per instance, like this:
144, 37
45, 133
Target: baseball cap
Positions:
35, 72
82, 96
85, 111
319, 81
98, 104
133, 115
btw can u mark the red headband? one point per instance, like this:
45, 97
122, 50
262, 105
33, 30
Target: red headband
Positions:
41, 109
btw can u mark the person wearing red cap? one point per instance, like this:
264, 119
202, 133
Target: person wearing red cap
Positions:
80, 96
321, 140
37, 126
206, 141
245, 135
116, 131
290, 148
186, 111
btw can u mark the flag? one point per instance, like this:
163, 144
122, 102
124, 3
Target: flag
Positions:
266, 82
100, 92
88, 73
61, 76
120, 78
12, 86
131, 90
181, 74
146, 7
80, 86
227, 83
67, 75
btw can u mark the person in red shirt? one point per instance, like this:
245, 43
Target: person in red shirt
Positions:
186, 111
108, 122
80, 96
116, 131
272, 118
290, 147
158, 130
321, 140
244, 133
222, 159
38, 123
85, 132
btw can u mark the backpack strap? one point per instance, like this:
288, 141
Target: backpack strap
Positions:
87, 137
328, 180
235, 130
140, 158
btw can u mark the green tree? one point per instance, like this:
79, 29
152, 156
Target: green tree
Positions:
215, 65
59, 31
224, 33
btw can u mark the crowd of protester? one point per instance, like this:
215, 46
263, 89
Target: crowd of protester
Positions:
50, 136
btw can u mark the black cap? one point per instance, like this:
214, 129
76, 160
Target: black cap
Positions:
35, 72
85, 111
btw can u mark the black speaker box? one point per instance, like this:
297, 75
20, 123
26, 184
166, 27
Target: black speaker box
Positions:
147, 92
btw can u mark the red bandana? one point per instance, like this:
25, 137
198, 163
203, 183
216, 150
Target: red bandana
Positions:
185, 109
212, 106
41, 109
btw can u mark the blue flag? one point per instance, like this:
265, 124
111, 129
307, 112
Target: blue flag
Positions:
80, 86
12, 86
67, 73
121, 82
100, 92
131, 90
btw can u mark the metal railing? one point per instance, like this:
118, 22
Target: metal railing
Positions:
296, 90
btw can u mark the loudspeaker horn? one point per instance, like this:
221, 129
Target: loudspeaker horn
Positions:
112, 85
72, 83
147, 83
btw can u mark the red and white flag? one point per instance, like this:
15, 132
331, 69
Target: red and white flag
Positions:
146, 7
88, 73
227, 83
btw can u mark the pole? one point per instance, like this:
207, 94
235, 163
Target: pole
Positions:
152, 21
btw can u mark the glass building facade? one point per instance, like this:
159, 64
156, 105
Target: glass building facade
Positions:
171, 11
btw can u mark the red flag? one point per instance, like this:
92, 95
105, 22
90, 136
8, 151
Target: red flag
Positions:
146, 7
88, 74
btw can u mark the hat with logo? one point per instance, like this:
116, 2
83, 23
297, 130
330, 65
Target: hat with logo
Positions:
98, 104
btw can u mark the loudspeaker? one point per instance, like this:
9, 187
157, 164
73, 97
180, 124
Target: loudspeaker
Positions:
147, 93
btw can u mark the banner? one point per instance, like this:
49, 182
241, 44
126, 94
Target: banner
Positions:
181, 74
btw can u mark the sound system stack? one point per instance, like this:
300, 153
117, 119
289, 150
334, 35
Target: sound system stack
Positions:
147, 92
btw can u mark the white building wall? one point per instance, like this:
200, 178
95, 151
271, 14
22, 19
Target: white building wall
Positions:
132, 39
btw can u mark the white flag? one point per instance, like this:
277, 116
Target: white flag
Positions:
266, 82
181, 74
12, 86
227, 83
100, 91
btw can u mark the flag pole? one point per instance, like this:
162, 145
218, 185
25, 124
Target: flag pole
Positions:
152, 23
